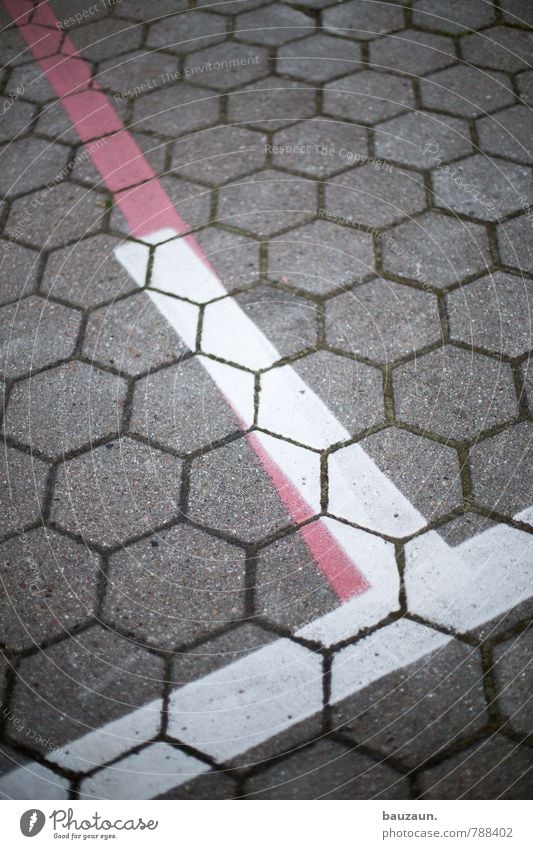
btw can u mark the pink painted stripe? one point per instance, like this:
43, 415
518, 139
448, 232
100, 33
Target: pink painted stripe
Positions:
147, 208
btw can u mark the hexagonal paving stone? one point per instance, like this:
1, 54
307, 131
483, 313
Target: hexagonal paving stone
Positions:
272, 103
288, 322
181, 408
22, 489
131, 336
136, 9
467, 91
153, 150
120, 490
508, 133
19, 268
84, 682
524, 82
448, 683
516, 12
494, 313
123, 72
30, 779
177, 110
219, 154
190, 200
210, 785
53, 217
353, 392
48, 587
65, 408
231, 492
452, 16
412, 52
266, 202
226, 66
512, 670
319, 147
107, 39
190, 31
65, 11
501, 48
382, 321
454, 393
87, 274
515, 244
482, 187
274, 25
375, 194
501, 470
319, 58
30, 163
368, 96
527, 377
35, 333
436, 249
16, 119
30, 79
327, 770
362, 20
496, 768
413, 139
176, 587
321, 257
234, 257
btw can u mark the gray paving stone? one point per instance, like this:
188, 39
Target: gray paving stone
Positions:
181, 408
289, 322
120, 490
231, 492
16, 117
524, 82
212, 785
4, 668
402, 713
22, 490
53, 217
54, 123
502, 473
62, 409
452, 16
273, 25
362, 20
463, 528
18, 270
235, 258
375, 194
87, 274
425, 472
436, 249
35, 333
192, 202
290, 589
30, 163
185, 32
413, 138
32, 81
508, 133
121, 73
219, 154
319, 147
83, 682
136, 9
175, 111
516, 12
48, 587
482, 187
152, 149
368, 96
467, 91
501, 48
515, 244
232, 8
382, 320
493, 313
321, 257
226, 66
266, 202
454, 393
272, 103
131, 336
492, 769
527, 377
327, 770
65, 10
107, 39
412, 52
513, 673
175, 587
13, 46
36, 779
319, 58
